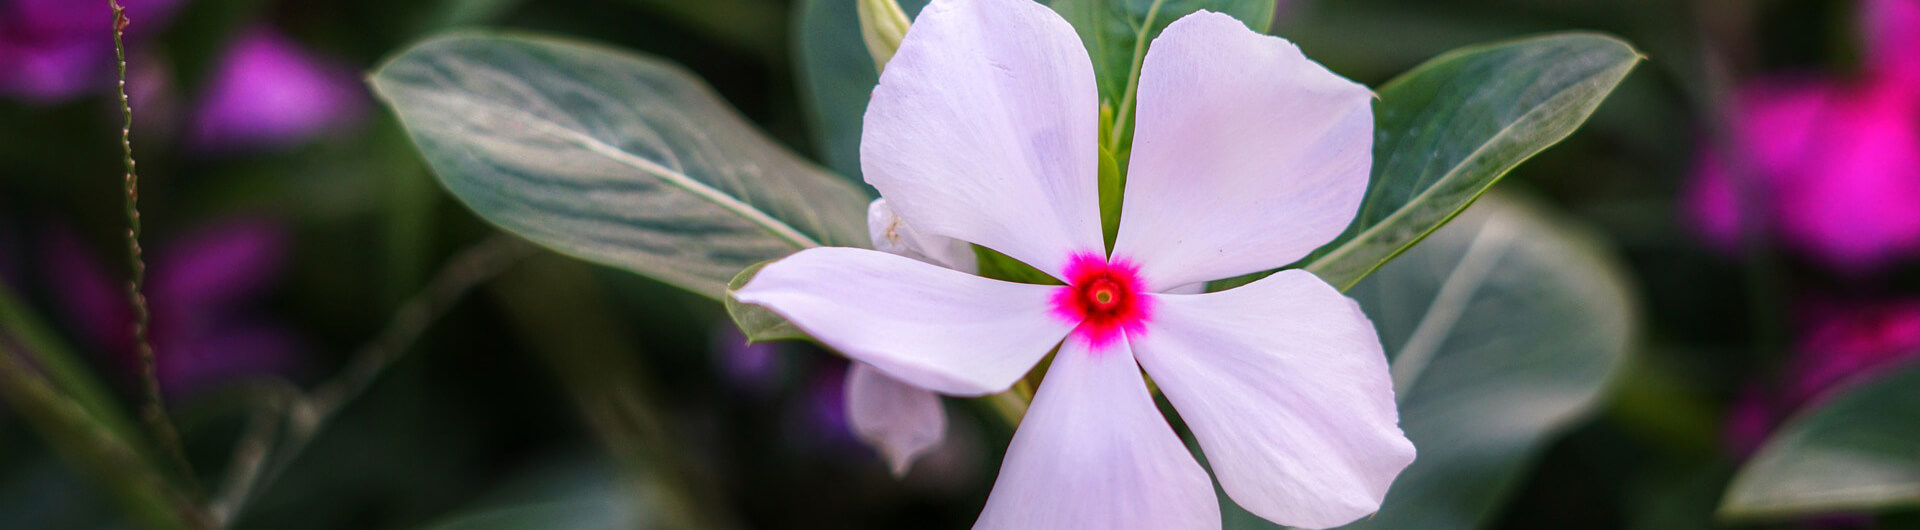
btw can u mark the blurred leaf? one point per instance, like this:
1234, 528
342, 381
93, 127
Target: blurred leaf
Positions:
68, 407
612, 157
1117, 33
750, 25
1860, 451
62, 367
571, 494
556, 305
1504, 329
1446, 131
86, 442
758, 323
837, 76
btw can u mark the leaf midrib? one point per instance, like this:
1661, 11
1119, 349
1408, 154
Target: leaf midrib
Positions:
680, 180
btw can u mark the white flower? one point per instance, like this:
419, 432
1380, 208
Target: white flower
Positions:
1247, 157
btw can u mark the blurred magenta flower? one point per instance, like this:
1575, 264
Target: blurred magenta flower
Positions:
268, 92
52, 50
1828, 168
205, 288
1839, 342
1892, 29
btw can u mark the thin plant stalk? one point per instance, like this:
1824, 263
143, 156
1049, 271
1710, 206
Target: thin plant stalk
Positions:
154, 410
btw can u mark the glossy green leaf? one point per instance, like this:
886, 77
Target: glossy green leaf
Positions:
1117, 34
1859, 451
1504, 329
612, 157
1446, 131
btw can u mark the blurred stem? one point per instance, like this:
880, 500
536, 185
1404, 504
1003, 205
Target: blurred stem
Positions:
554, 304
154, 411
1765, 278
91, 444
68, 375
307, 415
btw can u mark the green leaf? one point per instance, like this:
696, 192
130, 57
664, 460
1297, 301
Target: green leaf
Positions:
1113, 183
837, 76
611, 157
1504, 329
1117, 34
1860, 451
758, 323
993, 264
1446, 131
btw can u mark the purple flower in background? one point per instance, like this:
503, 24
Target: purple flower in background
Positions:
203, 289
268, 92
52, 50
1827, 168
753, 368
1839, 342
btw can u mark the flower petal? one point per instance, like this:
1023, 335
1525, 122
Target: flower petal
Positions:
897, 419
1286, 387
983, 129
1247, 156
893, 235
935, 328
1094, 452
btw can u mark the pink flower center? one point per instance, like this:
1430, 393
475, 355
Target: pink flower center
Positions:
1104, 297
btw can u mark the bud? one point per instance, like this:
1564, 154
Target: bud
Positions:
882, 25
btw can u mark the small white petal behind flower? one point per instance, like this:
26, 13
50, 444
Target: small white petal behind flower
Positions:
900, 421
893, 235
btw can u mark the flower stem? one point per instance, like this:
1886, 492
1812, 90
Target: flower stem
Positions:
154, 410
307, 415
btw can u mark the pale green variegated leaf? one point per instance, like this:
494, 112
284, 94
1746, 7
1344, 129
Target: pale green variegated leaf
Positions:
1858, 451
612, 157
1504, 329
1117, 34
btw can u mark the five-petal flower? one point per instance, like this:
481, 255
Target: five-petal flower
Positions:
1247, 156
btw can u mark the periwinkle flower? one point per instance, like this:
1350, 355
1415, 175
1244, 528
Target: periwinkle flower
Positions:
203, 288
268, 92
1247, 157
